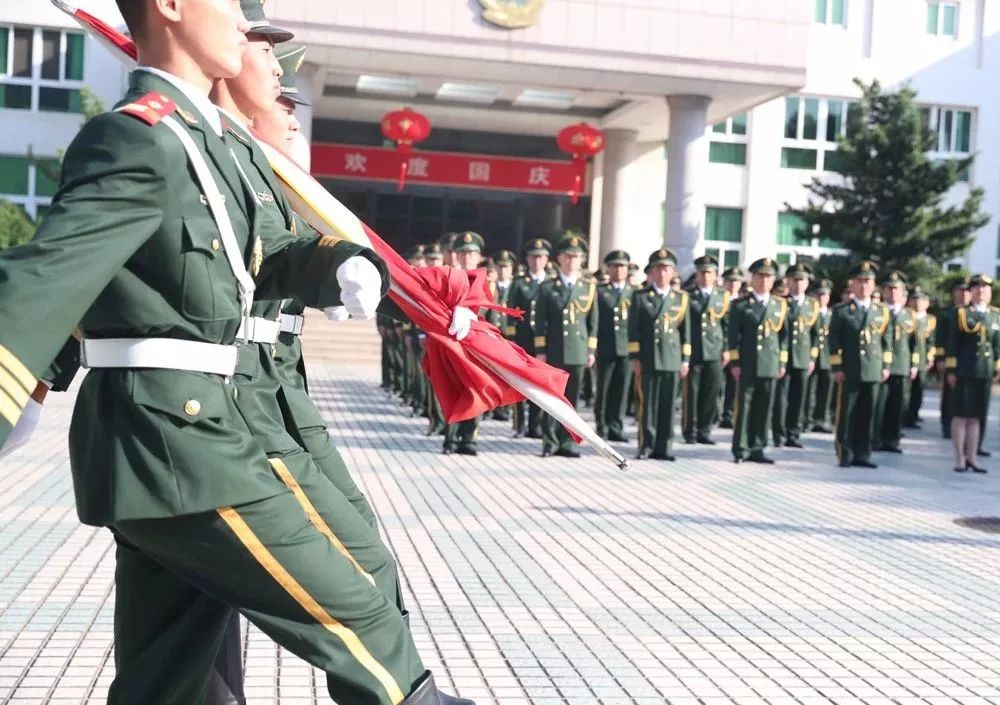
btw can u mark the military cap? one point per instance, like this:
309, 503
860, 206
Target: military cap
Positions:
799, 271
573, 244
538, 246
433, 251
918, 293
823, 286
661, 256
981, 280
633, 268
706, 263
863, 270
779, 288
291, 56
253, 12
601, 277
764, 266
895, 278
505, 257
734, 274
550, 268
617, 257
520, 270
960, 284
415, 251
447, 241
469, 241
489, 263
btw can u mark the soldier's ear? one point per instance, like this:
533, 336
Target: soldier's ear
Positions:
169, 10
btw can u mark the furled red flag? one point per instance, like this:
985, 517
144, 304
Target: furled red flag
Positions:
470, 377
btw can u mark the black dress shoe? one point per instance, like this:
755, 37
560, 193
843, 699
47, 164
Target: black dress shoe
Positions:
546, 452
725, 424
563, 453
663, 456
760, 459
844, 464
706, 441
792, 443
518, 434
983, 453
864, 464
617, 437
447, 451
537, 435
891, 448
467, 451
961, 469
642, 455
689, 440
453, 699
822, 428
739, 461
975, 468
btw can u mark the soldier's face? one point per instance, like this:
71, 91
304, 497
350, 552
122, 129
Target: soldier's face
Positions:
762, 283
981, 295
798, 287
256, 88
417, 262
661, 275
505, 272
893, 295
824, 300
862, 288
212, 32
706, 278
434, 261
278, 126
570, 263
469, 259
617, 272
960, 296
734, 286
536, 263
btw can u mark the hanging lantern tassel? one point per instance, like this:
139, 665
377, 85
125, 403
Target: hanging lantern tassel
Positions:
580, 161
405, 149
405, 127
582, 142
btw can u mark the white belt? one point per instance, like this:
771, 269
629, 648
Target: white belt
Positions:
292, 324
259, 330
159, 353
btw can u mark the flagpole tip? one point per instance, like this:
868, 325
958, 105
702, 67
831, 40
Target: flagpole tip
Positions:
624, 465
64, 6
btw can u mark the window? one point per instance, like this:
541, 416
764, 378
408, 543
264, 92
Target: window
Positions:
41, 69
830, 12
952, 134
28, 182
729, 141
724, 234
813, 126
796, 242
942, 18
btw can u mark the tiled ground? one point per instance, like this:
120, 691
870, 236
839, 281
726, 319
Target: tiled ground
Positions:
562, 581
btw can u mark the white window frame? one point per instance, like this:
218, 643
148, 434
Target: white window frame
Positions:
30, 201
813, 249
937, 125
828, 20
35, 81
820, 144
941, 5
724, 246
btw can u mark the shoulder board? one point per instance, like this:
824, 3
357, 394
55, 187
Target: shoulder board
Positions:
994, 309
150, 108
839, 306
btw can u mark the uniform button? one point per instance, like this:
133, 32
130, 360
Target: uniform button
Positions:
192, 407
760, 347
236, 392
565, 310
216, 244
616, 318
565, 332
616, 327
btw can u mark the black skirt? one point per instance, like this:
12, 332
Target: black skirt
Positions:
970, 399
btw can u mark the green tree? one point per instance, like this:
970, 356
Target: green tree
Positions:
889, 207
15, 225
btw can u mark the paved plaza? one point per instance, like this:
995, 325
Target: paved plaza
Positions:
568, 582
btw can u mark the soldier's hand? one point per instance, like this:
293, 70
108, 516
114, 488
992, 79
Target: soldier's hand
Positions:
685, 368
636, 367
913, 373
812, 367
461, 322
736, 371
360, 287
540, 357
885, 375
952, 380
782, 372
839, 377
725, 358
939, 365
339, 313
591, 360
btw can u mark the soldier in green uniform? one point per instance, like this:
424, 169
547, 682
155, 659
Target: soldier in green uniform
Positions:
709, 313
415, 258
613, 301
159, 406
926, 325
732, 281
946, 319
659, 333
972, 365
501, 289
894, 394
860, 355
433, 257
821, 381
523, 293
791, 393
758, 353
565, 327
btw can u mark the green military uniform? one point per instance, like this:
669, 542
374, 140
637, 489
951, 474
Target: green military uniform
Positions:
709, 312
433, 256
894, 395
413, 375
791, 395
523, 294
926, 325
501, 295
613, 371
728, 398
130, 251
659, 333
821, 381
565, 327
861, 349
758, 346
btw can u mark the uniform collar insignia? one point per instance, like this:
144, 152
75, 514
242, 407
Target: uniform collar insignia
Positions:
188, 117
265, 197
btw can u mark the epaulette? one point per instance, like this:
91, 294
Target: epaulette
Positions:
150, 108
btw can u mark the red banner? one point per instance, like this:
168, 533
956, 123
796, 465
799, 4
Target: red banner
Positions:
347, 161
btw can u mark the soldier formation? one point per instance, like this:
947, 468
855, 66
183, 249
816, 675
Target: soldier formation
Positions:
769, 357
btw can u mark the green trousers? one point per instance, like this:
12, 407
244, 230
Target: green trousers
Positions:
418, 382
527, 419
462, 435
612, 395
728, 397
790, 395
946, 408
292, 564
435, 417
754, 401
820, 386
554, 436
893, 399
912, 415
656, 397
701, 399
855, 417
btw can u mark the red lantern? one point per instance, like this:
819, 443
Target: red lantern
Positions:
405, 127
582, 142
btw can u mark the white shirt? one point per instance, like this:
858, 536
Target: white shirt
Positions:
707, 292
537, 277
200, 101
823, 310
763, 298
661, 292
895, 309
566, 280
618, 285
862, 304
980, 308
800, 299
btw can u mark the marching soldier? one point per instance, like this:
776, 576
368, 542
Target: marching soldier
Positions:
660, 350
504, 261
926, 327
415, 257
946, 319
732, 282
792, 392
758, 354
894, 394
972, 364
613, 372
709, 311
821, 381
565, 329
433, 257
860, 355
523, 293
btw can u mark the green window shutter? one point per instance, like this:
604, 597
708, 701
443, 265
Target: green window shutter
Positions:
821, 11
837, 15
74, 56
834, 120
791, 117
47, 173
4, 48
784, 259
719, 128
795, 158
932, 18
810, 122
727, 153
739, 124
732, 259
963, 137
791, 229
833, 160
949, 21
13, 175
724, 224
60, 100
15, 97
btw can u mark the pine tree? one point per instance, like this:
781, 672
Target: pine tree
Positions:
889, 206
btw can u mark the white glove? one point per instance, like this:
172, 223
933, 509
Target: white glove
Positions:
360, 287
461, 322
337, 313
21, 433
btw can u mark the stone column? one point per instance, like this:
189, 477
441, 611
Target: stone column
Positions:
687, 160
616, 213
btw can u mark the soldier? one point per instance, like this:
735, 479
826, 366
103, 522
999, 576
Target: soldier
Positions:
613, 373
434, 257
972, 364
732, 282
860, 355
415, 258
926, 325
709, 312
463, 437
894, 394
946, 319
790, 400
758, 353
504, 261
635, 279
447, 242
659, 333
523, 293
565, 326
821, 381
